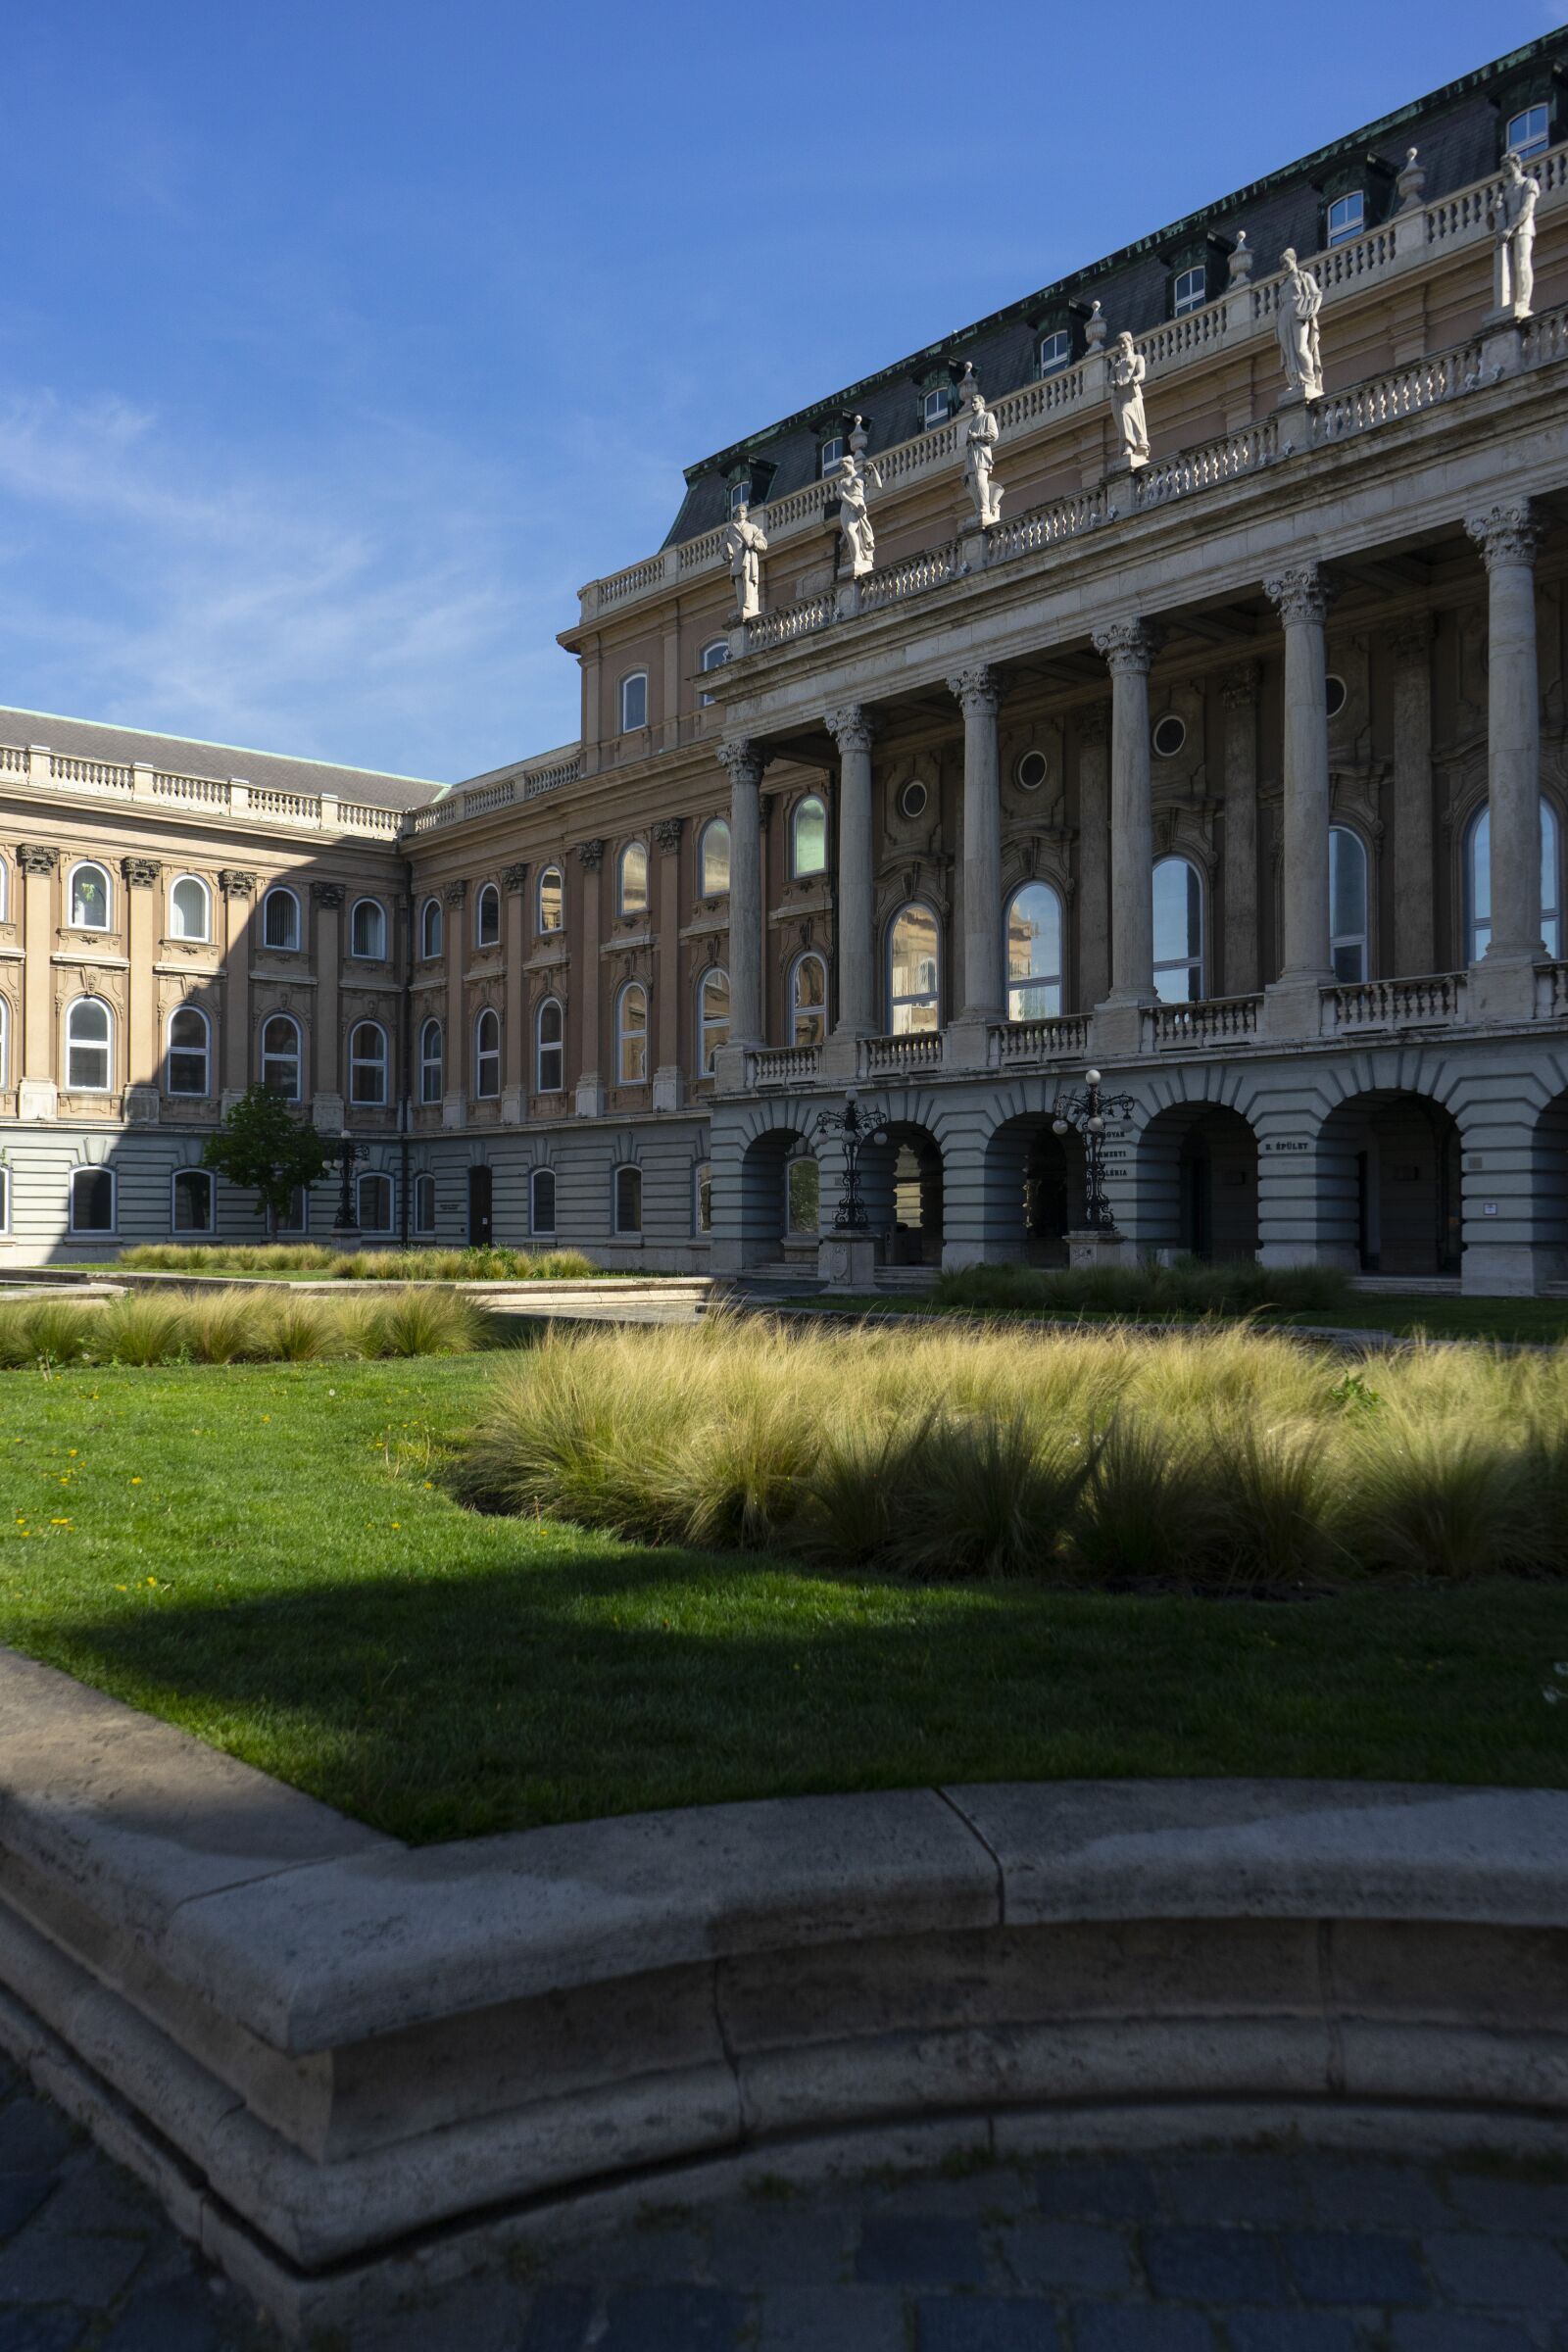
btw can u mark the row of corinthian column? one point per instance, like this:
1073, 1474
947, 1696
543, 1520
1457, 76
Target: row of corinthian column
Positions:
1505, 537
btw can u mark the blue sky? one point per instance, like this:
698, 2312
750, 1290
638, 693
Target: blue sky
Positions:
341, 342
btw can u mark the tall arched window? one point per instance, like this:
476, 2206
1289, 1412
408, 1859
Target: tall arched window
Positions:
628, 1198
550, 906
487, 1055
914, 969
1347, 905
430, 928
373, 1202
712, 657
368, 929
1034, 953
809, 837
280, 1055
89, 1037
281, 919
631, 893
191, 908
192, 1201
550, 1047
1178, 931
542, 1200
432, 1062
712, 1017
713, 859
189, 1062
807, 1001
92, 1200
634, 700
631, 1035
424, 1202
5, 892
1478, 883
5, 1043
368, 1063
487, 917
89, 897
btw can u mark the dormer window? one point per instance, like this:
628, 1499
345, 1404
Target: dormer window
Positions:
1347, 217
829, 454
1529, 131
934, 409
1055, 350
1189, 291
740, 494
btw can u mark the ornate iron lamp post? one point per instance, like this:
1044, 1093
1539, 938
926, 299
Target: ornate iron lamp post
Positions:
857, 1128
347, 1221
1085, 1115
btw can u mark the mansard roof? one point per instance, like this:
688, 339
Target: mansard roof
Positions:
186, 756
1455, 129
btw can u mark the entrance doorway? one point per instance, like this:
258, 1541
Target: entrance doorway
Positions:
479, 1195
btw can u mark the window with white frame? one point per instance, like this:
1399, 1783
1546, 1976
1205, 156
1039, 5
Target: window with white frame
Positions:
191, 908
828, 456
430, 928
1189, 291
802, 1194
1347, 905
193, 1201
296, 1218
373, 1194
809, 837
368, 1064
631, 1035
550, 1047
1034, 952
92, 1200
5, 892
432, 1062
914, 968
703, 1197
424, 1202
712, 657
550, 903
631, 880
188, 1064
1529, 131
1178, 890
280, 1055
281, 919
934, 408
5, 1197
89, 897
634, 700
1347, 217
542, 1200
487, 1055
89, 1040
628, 1197
807, 1001
5, 1043
1478, 883
1055, 350
487, 917
713, 859
368, 930
740, 495
712, 1016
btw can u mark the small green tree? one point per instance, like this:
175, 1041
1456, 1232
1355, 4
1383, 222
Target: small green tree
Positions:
261, 1148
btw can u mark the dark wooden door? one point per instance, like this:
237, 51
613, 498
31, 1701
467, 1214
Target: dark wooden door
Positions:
479, 1209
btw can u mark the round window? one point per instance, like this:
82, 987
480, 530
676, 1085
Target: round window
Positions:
1169, 736
912, 798
1032, 770
1334, 695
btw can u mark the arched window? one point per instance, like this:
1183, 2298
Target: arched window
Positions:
634, 700
712, 1017
807, 1001
280, 1055
809, 837
92, 1200
1034, 953
373, 1202
430, 928
712, 657
631, 893
89, 897
368, 929
89, 1036
487, 1055
192, 1204
1055, 350
713, 859
550, 906
5, 1197
703, 1197
189, 1062
1478, 883
1178, 931
368, 1063
191, 908
802, 1194
281, 919
914, 970
628, 1198
550, 1047
432, 1062
425, 1203
5, 1042
542, 1200
631, 1035
5, 892
487, 917
1347, 905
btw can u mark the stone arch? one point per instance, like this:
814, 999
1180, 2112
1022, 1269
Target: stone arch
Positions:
1198, 1182
1033, 1190
1389, 1180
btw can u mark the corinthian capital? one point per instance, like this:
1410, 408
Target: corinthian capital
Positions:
590, 855
1299, 593
36, 858
976, 689
743, 759
667, 833
1504, 534
1128, 646
140, 872
851, 727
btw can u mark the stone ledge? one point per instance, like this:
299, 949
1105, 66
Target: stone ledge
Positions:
335, 2057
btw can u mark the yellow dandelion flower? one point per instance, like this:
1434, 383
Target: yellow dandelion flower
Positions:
135, 1482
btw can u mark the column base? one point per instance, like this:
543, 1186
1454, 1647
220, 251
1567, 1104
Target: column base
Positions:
454, 1111
840, 1065
1502, 988
37, 1099
670, 1087
346, 1238
142, 1106
1510, 1269
326, 1114
514, 1105
1098, 1245
848, 1261
730, 1073
967, 1042
1293, 1009
1502, 350
1118, 1030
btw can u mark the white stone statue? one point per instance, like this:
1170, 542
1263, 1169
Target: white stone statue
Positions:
745, 544
1127, 371
851, 475
1513, 219
1300, 298
979, 443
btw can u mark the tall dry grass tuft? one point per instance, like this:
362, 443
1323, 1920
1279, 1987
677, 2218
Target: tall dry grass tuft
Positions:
359, 1265
1185, 1288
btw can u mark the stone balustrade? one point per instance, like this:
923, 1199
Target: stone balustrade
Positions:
887, 1056
1206, 1021
1551, 991
478, 799
1063, 1038
1436, 1000
784, 1065
224, 796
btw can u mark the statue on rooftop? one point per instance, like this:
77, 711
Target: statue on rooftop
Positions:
745, 544
1513, 219
1300, 300
1127, 371
980, 438
851, 477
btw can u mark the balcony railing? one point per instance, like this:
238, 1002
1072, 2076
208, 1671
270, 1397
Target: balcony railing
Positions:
887, 1056
1433, 1000
222, 796
786, 1066
1551, 991
1063, 1037
1205, 1021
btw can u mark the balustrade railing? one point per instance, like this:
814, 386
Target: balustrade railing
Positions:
1061, 1037
918, 1049
1399, 394
1431, 1000
99, 776
1224, 460
785, 1065
1045, 526
226, 796
203, 791
1206, 1021
910, 577
794, 620
13, 759
1551, 991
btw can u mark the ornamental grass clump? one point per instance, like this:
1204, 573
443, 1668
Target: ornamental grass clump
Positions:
1184, 1288
414, 1322
239, 1327
359, 1265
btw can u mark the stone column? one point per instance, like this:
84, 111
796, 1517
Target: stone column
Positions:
590, 1094
515, 1028
329, 1105
455, 1055
1093, 859
1239, 695
744, 762
1506, 538
1414, 952
1301, 596
851, 729
38, 1088
1128, 646
978, 692
238, 889
140, 876
668, 1084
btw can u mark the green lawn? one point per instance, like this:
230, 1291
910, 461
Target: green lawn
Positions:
1438, 1315
266, 1555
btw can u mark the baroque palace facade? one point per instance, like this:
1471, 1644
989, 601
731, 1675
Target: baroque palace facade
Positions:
1168, 673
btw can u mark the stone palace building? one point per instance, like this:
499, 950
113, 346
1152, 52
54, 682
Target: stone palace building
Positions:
1168, 673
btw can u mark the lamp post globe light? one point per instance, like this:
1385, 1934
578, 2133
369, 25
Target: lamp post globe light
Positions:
1097, 1242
